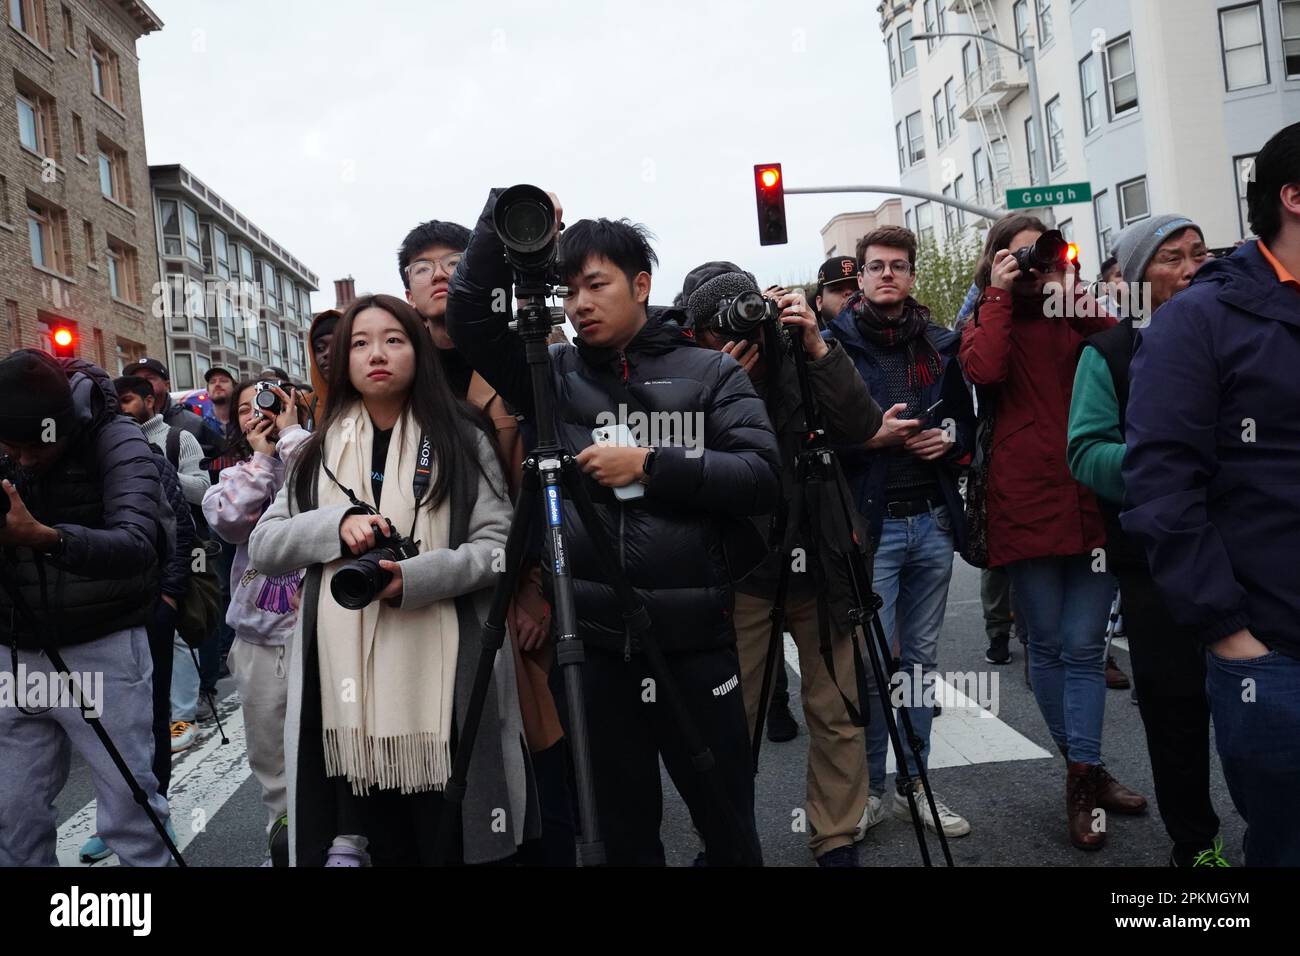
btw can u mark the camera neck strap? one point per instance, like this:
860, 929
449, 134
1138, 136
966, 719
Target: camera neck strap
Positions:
420, 481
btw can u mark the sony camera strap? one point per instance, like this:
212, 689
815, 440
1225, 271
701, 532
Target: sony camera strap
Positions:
420, 480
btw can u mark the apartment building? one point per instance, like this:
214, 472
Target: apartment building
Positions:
76, 230
841, 234
1159, 105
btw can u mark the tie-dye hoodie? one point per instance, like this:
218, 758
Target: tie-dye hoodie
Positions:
262, 609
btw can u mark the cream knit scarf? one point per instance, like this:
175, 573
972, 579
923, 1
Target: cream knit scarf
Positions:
387, 675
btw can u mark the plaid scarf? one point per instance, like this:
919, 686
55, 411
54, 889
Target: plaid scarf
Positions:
908, 331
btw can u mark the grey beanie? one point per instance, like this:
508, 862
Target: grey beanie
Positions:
701, 274
1136, 246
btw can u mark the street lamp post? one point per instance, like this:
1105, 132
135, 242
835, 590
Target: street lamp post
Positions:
1026, 56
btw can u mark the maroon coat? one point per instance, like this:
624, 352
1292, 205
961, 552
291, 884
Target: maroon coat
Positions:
1036, 509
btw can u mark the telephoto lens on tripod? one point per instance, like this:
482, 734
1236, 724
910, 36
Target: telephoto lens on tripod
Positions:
524, 218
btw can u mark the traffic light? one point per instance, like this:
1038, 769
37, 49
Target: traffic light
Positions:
65, 342
770, 190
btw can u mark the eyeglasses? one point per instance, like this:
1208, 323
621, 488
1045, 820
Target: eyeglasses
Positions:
422, 269
898, 267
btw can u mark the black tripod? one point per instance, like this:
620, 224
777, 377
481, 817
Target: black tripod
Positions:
816, 464
553, 471
137, 792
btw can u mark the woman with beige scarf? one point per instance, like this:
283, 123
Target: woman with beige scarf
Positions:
376, 695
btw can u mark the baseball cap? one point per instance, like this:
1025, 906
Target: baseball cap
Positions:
148, 365
837, 269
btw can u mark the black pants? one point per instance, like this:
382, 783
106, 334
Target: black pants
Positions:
1169, 672
402, 828
631, 728
161, 629
553, 771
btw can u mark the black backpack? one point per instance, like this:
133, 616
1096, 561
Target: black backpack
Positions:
199, 611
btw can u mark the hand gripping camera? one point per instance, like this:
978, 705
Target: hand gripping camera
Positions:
357, 583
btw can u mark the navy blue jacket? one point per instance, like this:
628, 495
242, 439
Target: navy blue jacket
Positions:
866, 470
1212, 471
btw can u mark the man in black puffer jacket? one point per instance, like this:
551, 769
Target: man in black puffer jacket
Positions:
80, 544
717, 462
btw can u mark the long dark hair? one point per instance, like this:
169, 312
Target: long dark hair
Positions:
999, 238
450, 425
236, 441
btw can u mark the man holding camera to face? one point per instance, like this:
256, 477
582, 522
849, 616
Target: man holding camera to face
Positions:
669, 537
837, 769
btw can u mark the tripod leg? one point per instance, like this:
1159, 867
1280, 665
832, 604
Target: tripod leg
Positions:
775, 657
638, 623
494, 631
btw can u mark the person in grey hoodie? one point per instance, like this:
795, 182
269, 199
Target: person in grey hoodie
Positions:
263, 608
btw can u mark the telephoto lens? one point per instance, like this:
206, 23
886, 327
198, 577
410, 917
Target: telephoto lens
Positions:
524, 219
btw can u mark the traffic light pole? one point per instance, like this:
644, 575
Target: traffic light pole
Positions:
991, 214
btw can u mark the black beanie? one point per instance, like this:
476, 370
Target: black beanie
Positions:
33, 390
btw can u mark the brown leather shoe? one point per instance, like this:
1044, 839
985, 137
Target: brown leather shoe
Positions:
1080, 801
1116, 679
1114, 797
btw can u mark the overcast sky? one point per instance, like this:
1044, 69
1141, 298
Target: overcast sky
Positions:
337, 126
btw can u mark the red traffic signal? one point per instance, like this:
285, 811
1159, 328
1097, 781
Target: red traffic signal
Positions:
770, 192
65, 342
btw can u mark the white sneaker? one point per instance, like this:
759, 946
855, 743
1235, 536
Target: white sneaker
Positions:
872, 815
182, 735
953, 825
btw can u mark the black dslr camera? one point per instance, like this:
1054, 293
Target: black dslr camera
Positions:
265, 401
356, 584
1051, 253
742, 316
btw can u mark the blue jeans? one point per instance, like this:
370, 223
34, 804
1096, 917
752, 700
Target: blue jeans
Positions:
1255, 704
913, 567
1066, 604
185, 682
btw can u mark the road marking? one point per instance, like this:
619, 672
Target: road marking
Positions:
965, 733
203, 779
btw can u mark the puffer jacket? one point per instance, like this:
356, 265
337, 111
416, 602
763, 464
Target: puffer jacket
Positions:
670, 541
103, 495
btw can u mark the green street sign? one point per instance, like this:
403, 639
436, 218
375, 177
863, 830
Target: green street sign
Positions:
1062, 194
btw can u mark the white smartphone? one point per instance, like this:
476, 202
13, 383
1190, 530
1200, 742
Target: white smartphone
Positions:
619, 435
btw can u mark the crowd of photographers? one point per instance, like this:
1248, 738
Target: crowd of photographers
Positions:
333, 546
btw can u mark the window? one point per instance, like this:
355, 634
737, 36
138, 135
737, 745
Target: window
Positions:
79, 133
924, 220
893, 62
1067, 230
957, 190
906, 49
99, 347
270, 290
950, 104
4, 199
196, 306
1105, 224
1243, 171
201, 365
169, 212
47, 237
229, 327
277, 347
37, 123
304, 305
127, 353
88, 234
104, 72
69, 34
182, 369
931, 24
1000, 161
1088, 88
909, 220
915, 138
288, 298
1055, 134
940, 119
1241, 31
1045, 33
1121, 77
1031, 149
221, 252
1133, 203
1020, 16
113, 180
190, 225
970, 61
1291, 38
45, 326
902, 153
943, 15
122, 271
29, 16
949, 214
982, 175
